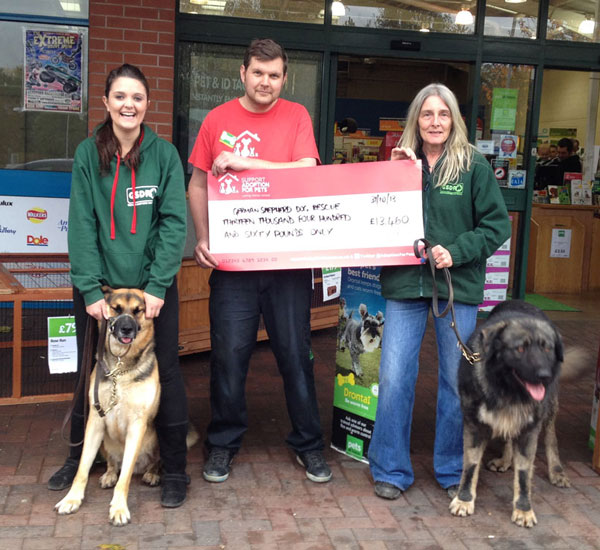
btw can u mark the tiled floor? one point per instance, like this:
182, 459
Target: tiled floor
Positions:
268, 504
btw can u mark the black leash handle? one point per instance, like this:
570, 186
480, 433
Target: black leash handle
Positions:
424, 253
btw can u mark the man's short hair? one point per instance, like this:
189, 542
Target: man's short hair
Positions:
567, 143
265, 49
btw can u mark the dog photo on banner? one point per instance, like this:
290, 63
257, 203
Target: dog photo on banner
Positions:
360, 330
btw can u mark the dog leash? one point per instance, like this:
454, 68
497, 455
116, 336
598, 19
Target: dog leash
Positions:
84, 378
424, 253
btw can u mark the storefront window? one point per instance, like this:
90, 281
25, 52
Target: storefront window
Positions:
514, 19
275, 10
443, 16
70, 9
209, 75
43, 96
574, 21
505, 97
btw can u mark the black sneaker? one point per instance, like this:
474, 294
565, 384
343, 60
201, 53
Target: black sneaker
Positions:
383, 489
63, 478
317, 469
174, 489
217, 466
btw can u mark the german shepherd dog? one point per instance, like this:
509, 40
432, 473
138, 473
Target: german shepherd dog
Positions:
511, 392
129, 395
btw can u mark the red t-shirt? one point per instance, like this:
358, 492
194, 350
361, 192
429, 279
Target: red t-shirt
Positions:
283, 134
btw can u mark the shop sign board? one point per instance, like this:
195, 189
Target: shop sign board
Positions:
326, 216
33, 225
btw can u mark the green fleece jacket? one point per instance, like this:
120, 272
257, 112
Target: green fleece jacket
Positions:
470, 220
148, 258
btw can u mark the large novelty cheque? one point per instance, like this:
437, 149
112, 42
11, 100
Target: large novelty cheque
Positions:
326, 216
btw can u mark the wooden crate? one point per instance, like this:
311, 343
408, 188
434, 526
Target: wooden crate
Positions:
24, 374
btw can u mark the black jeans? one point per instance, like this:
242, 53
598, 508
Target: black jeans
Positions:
236, 301
172, 419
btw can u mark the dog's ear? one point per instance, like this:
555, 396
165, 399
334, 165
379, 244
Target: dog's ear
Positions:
362, 309
379, 317
488, 337
558, 347
106, 290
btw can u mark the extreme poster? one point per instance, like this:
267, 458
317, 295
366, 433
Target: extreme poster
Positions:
360, 329
52, 71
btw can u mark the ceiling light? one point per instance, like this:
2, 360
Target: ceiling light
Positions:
587, 26
70, 6
424, 29
464, 17
338, 9
515, 1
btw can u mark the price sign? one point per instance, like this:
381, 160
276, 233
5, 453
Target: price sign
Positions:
62, 345
560, 246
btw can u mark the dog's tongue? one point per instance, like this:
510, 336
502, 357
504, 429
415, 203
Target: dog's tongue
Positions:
537, 391
129, 340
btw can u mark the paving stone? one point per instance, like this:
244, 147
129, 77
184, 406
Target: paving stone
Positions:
269, 504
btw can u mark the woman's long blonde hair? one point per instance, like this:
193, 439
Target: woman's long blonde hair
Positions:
458, 152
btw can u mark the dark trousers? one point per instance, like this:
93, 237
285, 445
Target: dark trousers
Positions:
236, 301
172, 419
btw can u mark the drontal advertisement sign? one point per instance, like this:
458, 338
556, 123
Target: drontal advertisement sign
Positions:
356, 388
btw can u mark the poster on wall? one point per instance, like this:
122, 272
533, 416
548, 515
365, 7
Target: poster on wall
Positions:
504, 109
360, 329
53, 71
33, 225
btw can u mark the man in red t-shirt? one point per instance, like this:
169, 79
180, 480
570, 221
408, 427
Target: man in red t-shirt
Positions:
258, 130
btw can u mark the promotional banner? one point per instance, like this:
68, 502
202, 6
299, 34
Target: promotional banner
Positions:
33, 224
53, 76
356, 387
326, 216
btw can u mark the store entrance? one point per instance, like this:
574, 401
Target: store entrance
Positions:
564, 244
373, 95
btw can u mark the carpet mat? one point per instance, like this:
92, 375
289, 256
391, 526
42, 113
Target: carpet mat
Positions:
547, 304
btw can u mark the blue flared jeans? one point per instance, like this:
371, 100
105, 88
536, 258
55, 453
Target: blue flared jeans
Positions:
389, 451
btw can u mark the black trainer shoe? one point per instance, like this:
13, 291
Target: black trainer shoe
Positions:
63, 478
387, 490
317, 469
217, 466
174, 489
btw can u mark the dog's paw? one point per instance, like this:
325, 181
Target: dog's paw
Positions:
498, 465
559, 478
462, 508
119, 512
151, 478
68, 505
108, 479
524, 519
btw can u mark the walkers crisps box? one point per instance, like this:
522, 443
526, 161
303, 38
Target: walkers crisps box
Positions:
361, 320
